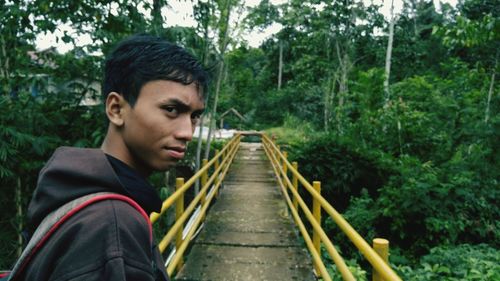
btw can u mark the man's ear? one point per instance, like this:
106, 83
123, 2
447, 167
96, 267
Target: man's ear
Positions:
115, 107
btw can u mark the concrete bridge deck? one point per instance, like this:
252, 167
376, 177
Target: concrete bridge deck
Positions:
248, 234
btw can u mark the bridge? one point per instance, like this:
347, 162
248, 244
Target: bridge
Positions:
246, 222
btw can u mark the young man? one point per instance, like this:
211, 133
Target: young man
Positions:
153, 97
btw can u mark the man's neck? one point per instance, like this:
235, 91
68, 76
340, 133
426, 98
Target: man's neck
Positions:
113, 145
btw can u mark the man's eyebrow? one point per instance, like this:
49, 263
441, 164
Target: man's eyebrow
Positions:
181, 106
200, 111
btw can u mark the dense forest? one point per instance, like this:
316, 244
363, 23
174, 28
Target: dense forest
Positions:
397, 115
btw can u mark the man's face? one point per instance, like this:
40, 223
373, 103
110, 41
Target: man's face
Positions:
159, 126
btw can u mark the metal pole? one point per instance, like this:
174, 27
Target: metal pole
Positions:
216, 166
381, 246
217, 161
179, 210
204, 179
285, 167
277, 156
317, 216
295, 182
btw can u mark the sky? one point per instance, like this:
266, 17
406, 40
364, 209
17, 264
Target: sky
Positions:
181, 13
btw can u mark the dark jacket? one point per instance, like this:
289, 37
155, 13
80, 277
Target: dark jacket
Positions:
108, 240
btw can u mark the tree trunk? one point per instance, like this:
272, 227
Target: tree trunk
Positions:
198, 152
326, 111
329, 95
157, 17
415, 13
330, 88
223, 42
342, 95
3, 68
5, 64
280, 68
206, 51
398, 123
388, 57
344, 68
214, 109
490, 92
19, 216
345, 65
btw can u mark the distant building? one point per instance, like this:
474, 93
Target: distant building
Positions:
89, 91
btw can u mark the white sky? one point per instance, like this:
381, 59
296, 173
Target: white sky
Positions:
181, 13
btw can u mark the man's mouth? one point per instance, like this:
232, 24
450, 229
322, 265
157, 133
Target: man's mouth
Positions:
176, 152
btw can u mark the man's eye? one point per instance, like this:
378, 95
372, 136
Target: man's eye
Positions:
171, 110
195, 119
196, 116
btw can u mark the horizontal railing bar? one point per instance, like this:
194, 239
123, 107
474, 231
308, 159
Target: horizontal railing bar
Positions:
172, 198
375, 260
316, 256
173, 230
185, 243
337, 259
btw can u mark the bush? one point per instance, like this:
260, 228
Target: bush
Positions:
460, 262
293, 131
343, 169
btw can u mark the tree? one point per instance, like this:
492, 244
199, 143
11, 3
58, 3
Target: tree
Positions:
42, 92
482, 33
221, 19
388, 55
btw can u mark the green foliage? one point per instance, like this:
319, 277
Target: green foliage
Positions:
435, 198
293, 131
243, 89
437, 164
343, 172
361, 214
428, 154
456, 262
31, 127
42, 92
470, 33
262, 15
354, 268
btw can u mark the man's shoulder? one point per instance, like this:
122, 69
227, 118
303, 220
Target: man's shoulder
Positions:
103, 220
112, 213
94, 238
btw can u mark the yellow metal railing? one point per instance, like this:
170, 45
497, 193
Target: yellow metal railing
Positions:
198, 206
282, 168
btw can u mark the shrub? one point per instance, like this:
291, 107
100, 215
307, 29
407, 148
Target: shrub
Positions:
460, 262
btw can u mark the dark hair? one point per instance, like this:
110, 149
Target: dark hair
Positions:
142, 58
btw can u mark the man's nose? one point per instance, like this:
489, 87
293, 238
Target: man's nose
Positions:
185, 129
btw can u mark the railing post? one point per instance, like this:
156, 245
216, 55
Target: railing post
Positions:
317, 216
295, 182
216, 166
179, 210
204, 179
285, 168
277, 155
381, 247
228, 152
217, 163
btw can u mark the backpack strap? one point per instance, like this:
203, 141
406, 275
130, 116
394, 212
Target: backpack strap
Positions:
57, 218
